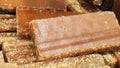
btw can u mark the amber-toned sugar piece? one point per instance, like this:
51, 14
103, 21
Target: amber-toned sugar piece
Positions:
86, 61
40, 4
7, 23
25, 15
8, 65
7, 37
72, 35
110, 60
81, 6
1, 57
20, 51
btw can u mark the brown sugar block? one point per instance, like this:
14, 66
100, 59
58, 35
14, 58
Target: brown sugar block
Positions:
110, 60
86, 61
25, 15
8, 65
41, 4
81, 6
1, 57
20, 51
7, 37
7, 23
73, 35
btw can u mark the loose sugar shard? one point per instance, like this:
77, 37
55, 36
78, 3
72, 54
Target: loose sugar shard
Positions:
25, 15
7, 23
86, 61
72, 35
20, 51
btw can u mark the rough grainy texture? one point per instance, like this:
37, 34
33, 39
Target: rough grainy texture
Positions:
86, 61
81, 6
117, 55
73, 35
7, 37
116, 9
20, 52
8, 65
41, 4
1, 57
7, 23
24, 15
110, 60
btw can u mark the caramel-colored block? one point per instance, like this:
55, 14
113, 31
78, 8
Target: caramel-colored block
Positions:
7, 23
41, 4
81, 6
25, 15
86, 61
7, 37
110, 60
1, 57
20, 52
72, 35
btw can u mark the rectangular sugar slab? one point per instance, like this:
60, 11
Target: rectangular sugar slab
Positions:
72, 35
40, 4
7, 23
19, 51
25, 15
